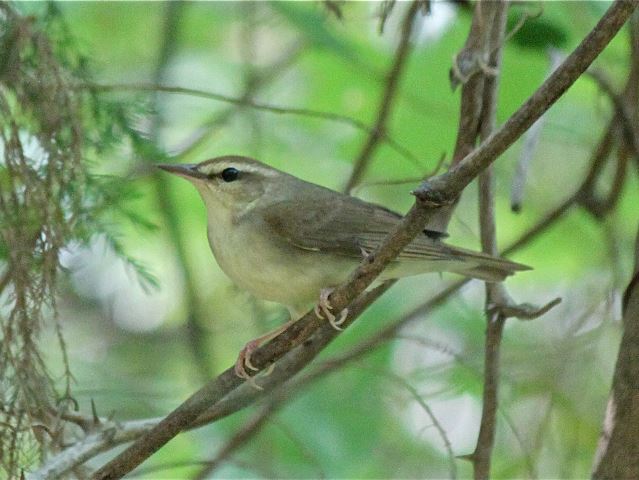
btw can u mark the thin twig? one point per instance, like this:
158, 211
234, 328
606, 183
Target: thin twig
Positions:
495, 293
429, 412
622, 130
386, 103
248, 102
257, 82
622, 107
402, 181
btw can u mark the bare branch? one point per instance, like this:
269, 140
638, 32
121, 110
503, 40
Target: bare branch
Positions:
256, 82
453, 182
481, 457
622, 107
617, 454
429, 412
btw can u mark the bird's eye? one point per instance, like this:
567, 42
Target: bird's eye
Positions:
230, 174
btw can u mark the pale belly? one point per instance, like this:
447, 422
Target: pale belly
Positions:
293, 277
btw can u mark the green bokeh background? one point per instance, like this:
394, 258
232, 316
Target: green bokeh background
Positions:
129, 350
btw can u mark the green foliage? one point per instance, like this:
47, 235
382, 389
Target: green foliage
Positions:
538, 32
51, 133
357, 422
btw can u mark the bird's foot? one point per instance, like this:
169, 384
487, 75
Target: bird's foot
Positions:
324, 307
244, 358
244, 361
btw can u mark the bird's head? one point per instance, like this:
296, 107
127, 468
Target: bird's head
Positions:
232, 183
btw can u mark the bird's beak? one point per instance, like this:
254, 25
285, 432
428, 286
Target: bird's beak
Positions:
187, 170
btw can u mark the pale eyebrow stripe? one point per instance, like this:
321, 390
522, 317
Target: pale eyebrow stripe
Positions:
217, 168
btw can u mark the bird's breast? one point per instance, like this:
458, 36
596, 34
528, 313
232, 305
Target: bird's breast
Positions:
271, 269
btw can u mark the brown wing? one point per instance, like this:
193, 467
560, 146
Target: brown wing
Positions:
343, 225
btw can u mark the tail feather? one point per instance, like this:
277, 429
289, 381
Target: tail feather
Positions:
487, 273
423, 257
490, 269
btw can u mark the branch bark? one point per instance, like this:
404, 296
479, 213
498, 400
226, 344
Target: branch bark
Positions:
432, 194
617, 455
495, 293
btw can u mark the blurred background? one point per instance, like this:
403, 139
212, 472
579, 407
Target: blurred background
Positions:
143, 334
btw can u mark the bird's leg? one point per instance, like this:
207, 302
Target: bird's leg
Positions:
244, 358
324, 307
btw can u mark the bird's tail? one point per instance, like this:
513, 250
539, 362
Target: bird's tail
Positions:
486, 267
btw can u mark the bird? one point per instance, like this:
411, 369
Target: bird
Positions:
290, 241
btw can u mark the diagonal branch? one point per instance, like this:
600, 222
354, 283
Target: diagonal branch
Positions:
541, 100
432, 194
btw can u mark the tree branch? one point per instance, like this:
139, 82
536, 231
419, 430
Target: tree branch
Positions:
544, 97
617, 455
495, 293
471, 68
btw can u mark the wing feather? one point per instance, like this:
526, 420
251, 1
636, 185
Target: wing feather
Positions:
344, 226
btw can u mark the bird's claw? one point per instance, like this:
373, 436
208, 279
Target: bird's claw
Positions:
244, 361
324, 307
